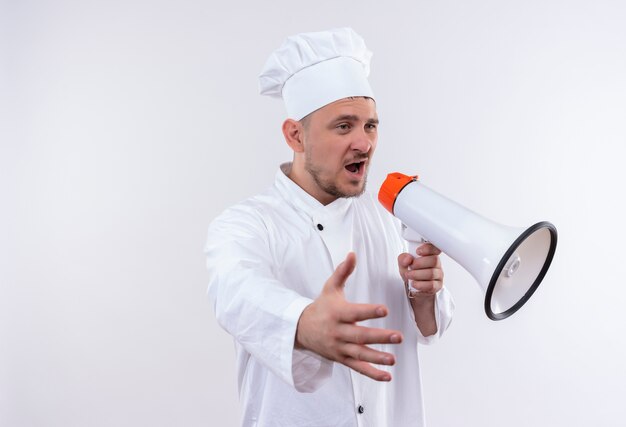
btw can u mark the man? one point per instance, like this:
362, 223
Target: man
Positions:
309, 276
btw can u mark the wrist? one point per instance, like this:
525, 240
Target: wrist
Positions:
300, 338
420, 299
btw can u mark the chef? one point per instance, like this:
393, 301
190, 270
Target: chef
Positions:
310, 277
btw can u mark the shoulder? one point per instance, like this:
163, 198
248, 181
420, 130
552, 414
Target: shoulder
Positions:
251, 213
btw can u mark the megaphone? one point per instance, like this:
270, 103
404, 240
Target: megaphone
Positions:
508, 263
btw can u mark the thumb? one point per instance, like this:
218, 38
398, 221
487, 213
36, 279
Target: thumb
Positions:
337, 280
404, 260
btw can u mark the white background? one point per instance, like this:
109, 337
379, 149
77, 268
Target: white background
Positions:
126, 126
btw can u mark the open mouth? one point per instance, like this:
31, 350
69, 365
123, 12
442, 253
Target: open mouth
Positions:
355, 167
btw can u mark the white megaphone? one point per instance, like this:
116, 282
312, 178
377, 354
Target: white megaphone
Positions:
508, 263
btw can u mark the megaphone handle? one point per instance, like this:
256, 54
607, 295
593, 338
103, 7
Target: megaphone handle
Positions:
413, 245
415, 240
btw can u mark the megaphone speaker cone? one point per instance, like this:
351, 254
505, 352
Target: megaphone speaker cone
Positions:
520, 271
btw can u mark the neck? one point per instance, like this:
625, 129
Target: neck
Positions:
298, 174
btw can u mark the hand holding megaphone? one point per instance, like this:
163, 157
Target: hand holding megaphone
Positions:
508, 263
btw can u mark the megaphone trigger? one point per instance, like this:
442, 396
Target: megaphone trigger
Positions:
413, 238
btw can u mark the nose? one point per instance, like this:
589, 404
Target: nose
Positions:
362, 141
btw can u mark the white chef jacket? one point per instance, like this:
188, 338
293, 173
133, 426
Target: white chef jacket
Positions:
268, 258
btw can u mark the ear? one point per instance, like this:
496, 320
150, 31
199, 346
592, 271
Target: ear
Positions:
293, 132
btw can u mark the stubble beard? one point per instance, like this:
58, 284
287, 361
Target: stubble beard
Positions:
329, 187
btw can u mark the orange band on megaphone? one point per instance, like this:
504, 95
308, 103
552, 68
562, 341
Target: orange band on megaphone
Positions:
392, 186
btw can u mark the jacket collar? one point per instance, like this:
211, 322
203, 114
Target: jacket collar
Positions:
303, 201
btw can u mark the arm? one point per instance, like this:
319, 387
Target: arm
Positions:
425, 277
255, 308
297, 338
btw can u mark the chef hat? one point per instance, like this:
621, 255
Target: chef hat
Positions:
311, 70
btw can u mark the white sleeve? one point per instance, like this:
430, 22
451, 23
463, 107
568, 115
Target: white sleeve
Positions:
260, 312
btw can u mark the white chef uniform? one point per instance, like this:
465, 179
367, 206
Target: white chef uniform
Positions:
268, 258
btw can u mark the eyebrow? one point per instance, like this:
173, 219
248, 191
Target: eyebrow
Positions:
354, 118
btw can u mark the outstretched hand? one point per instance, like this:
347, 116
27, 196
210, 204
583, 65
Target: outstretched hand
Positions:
328, 327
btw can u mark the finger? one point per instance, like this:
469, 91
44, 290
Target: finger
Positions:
428, 249
429, 261
425, 274
338, 279
404, 260
427, 287
364, 335
367, 370
352, 313
367, 354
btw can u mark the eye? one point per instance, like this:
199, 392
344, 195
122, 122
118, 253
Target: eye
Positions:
343, 126
371, 126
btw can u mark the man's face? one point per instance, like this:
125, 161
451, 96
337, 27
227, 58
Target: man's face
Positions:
339, 141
